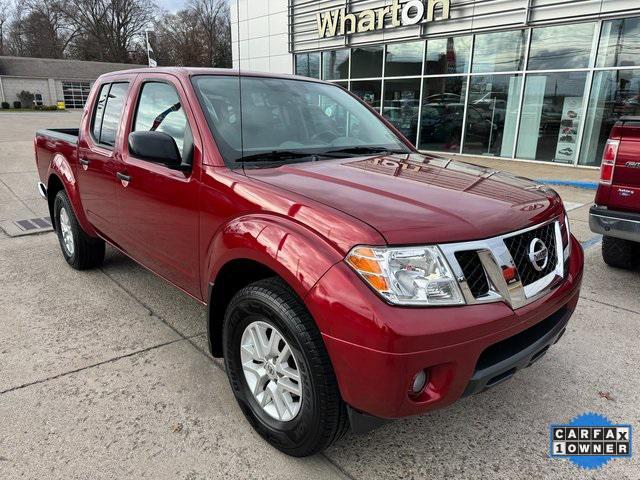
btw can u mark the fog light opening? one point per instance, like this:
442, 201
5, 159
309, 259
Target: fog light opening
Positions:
419, 383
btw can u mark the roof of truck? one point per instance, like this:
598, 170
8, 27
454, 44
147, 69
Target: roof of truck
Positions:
192, 71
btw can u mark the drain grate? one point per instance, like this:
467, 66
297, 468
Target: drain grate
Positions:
27, 226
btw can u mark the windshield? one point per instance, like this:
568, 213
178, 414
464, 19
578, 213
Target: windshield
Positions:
287, 120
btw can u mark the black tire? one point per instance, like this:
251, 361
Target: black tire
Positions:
88, 252
322, 417
619, 253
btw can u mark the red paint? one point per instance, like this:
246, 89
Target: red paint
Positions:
300, 221
622, 193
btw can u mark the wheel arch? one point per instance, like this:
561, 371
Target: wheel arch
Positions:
61, 177
253, 248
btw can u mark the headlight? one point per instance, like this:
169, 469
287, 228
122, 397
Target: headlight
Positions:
407, 276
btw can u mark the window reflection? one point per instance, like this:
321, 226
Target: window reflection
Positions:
447, 55
499, 52
491, 114
614, 94
561, 47
401, 105
366, 62
620, 43
308, 64
551, 116
369, 91
335, 64
442, 113
404, 59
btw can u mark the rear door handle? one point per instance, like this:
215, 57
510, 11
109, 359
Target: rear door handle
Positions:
85, 162
123, 177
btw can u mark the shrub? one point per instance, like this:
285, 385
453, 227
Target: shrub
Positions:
17, 104
5, 105
26, 98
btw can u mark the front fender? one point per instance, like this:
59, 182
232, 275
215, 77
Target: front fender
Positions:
60, 170
288, 248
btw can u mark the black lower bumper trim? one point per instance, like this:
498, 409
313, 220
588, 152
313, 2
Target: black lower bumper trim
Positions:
501, 361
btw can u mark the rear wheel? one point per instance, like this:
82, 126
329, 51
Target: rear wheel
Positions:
620, 253
79, 249
279, 370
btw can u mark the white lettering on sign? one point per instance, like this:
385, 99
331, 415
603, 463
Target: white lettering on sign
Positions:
339, 22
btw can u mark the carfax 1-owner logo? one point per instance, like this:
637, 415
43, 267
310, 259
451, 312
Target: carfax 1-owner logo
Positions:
590, 441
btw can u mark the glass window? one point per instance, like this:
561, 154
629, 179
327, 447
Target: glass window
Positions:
335, 64
96, 123
401, 102
442, 113
369, 91
613, 94
113, 113
303, 119
499, 52
308, 64
448, 55
620, 43
492, 114
366, 62
551, 115
159, 109
561, 47
404, 59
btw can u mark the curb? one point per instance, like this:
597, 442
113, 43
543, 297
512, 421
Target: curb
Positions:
571, 183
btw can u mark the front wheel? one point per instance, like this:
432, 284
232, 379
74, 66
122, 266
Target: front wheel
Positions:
279, 370
79, 249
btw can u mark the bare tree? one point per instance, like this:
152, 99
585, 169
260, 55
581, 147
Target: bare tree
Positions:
108, 29
5, 8
213, 19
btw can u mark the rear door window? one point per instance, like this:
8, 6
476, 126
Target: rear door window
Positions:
96, 124
108, 114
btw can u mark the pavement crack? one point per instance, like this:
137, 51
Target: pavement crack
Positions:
142, 303
589, 299
88, 367
337, 466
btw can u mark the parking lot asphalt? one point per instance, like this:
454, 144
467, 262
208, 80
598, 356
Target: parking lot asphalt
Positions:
105, 374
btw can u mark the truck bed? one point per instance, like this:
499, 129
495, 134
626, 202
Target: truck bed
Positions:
52, 141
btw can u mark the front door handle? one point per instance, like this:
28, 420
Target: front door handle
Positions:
124, 178
84, 162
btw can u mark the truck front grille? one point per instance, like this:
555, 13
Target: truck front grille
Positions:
474, 272
519, 248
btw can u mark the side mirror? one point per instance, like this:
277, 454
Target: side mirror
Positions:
157, 147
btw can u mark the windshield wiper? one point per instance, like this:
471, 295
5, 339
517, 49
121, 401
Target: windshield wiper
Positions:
361, 150
275, 156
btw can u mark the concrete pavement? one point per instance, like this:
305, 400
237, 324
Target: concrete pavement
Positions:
105, 374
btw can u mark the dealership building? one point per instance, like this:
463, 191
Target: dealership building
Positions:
540, 80
51, 80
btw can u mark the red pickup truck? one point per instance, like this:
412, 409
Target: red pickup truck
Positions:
349, 279
616, 213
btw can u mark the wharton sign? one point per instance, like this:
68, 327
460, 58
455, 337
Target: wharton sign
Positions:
339, 22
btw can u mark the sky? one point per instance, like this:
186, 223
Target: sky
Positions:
171, 5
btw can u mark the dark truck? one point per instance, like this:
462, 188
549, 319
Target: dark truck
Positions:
616, 213
349, 278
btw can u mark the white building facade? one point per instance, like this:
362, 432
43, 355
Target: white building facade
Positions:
541, 80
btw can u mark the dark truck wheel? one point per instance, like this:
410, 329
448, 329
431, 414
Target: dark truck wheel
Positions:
79, 249
620, 253
279, 370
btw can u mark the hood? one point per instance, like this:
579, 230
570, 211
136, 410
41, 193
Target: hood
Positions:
418, 199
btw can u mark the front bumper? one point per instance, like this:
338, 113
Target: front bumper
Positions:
624, 225
376, 349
